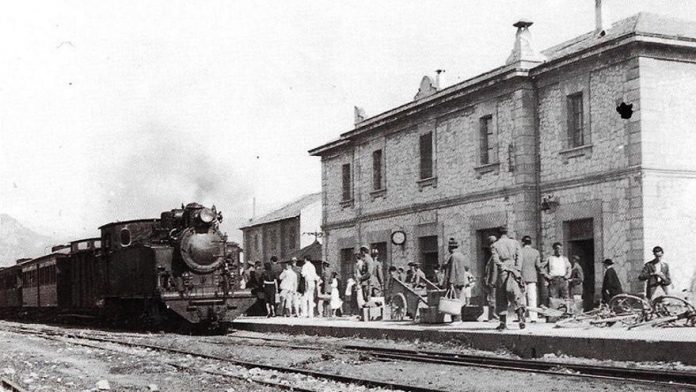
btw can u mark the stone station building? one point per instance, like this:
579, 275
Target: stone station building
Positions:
543, 145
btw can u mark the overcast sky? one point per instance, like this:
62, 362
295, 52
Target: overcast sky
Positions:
116, 110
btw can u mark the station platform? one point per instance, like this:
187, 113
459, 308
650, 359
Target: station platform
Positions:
613, 343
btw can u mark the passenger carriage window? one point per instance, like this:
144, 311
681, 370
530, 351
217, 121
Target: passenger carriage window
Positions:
125, 237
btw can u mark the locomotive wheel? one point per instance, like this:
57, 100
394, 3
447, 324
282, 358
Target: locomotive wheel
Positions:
397, 306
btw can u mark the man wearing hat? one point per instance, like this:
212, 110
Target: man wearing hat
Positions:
455, 277
656, 273
505, 253
611, 285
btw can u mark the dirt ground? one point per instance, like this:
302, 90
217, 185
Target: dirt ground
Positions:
41, 364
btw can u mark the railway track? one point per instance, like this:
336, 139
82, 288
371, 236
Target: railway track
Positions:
9, 386
668, 377
556, 368
245, 364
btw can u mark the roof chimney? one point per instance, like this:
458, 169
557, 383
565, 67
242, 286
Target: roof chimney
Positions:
359, 114
439, 78
601, 18
523, 49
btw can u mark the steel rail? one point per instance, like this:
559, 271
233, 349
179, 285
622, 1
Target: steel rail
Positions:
250, 365
8, 385
668, 377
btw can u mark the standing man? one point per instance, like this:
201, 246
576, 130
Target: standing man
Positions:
490, 283
611, 285
656, 272
505, 253
556, 270
379, 272
369, 279
309, 273
301, 287
531, 266
455, 277
576, 278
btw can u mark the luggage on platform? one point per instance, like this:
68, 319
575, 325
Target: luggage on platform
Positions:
471, 312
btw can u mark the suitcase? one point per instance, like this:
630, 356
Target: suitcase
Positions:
471, 312
430, 315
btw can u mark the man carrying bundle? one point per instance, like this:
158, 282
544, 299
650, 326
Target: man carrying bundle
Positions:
505, 254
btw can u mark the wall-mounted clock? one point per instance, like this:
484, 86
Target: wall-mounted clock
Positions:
398, 237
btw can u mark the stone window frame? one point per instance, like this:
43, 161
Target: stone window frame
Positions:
347, 187
569, 88
487, 110
431, 181
488, 140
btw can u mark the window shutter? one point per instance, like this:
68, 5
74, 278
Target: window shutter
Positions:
426, 155
346, 182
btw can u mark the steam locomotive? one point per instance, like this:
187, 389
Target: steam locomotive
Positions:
178, 271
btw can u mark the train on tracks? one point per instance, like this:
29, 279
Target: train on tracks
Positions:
178, 272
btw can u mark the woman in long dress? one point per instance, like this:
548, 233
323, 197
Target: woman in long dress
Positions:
335, 302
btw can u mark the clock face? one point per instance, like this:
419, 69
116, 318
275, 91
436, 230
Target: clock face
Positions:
398, 237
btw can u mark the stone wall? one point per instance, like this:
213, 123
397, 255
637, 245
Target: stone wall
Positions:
668, 116
608, 205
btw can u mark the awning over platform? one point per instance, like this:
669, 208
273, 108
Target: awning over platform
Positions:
313, 250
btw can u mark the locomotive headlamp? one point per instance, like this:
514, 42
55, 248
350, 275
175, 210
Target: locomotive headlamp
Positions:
207, 215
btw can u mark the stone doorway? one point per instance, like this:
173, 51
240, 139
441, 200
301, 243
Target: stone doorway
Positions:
580, 242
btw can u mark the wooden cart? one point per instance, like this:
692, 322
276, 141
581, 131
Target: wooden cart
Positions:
420, 304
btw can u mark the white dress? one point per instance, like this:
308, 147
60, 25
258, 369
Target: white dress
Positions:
335, 299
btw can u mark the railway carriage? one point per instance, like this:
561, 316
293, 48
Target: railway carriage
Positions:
10, 289
39, 281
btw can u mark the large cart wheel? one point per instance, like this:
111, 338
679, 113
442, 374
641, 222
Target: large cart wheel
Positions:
397, 306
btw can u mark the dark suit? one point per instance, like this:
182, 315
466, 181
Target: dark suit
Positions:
655, 281
611, 285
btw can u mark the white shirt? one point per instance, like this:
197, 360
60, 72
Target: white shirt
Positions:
309, 272
288, 280
557, 266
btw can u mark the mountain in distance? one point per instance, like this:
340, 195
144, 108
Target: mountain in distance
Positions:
17, 241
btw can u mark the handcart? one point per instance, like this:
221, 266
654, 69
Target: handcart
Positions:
419, 303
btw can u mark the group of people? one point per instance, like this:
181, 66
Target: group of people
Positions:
515, 270
294, 288
513, 275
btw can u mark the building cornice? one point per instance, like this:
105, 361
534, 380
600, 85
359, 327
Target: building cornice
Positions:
546, 187
434, 205
589, 179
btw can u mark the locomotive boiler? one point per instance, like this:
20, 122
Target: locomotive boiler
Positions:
176, 272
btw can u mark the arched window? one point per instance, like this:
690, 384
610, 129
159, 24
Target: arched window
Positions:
125, 237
